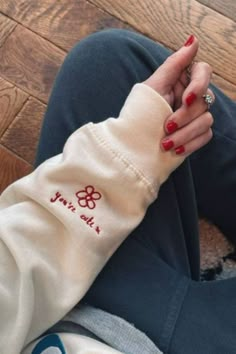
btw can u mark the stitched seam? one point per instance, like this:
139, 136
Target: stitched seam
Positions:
221, 136
124, 160
216, 135
173, 315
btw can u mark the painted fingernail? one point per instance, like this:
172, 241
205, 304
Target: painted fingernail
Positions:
167, 144
189, 41
191, 98
171, 127
180, 150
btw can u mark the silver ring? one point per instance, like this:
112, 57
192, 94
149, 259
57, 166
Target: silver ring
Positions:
208, 100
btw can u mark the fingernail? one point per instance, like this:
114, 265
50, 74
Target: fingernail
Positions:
171, 127
167, 144
191, 98
180, 150
189, 41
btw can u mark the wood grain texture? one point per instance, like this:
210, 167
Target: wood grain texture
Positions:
224, 7
6, 27
22, 135
11, 168
30, 62
170, 22
228, 88
11, 101
62, 22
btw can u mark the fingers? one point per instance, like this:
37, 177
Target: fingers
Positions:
179, 89
193, 103
170, 71
180, 60
189, 127
209, 94
184, 115
195, 144
201, 74
190, 136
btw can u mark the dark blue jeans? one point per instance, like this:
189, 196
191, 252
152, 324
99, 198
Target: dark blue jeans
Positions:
152, 280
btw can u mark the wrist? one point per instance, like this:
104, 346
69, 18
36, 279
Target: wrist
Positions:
137, 132
154, 85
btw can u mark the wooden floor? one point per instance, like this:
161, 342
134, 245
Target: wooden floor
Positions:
35, 36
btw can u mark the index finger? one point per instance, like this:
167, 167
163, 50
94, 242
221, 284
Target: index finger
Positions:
200, 79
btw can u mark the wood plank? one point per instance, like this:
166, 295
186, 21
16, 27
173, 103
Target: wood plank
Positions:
224, 7
170, 22
228, 88
6, 27
62, 22
22, 135
11, 168
11, 101
30, 62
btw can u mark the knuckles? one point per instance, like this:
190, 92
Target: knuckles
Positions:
210, 134
206, 67
209, 119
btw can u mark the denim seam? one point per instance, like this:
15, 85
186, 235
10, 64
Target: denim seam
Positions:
176, 304
221, 136
216, 135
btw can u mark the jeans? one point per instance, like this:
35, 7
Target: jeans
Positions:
152, 280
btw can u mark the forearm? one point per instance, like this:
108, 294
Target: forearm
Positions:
54, 242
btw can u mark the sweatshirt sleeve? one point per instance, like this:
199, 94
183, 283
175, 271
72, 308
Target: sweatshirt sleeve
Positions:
60, 224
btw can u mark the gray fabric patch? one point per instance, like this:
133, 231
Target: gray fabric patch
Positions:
112, 330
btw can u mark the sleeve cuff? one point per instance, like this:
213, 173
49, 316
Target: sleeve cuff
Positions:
138, 131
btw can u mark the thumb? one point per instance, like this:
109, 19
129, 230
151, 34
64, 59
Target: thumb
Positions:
170, 71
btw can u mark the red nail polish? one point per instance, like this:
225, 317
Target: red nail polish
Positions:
191, 98
180, 150
189, 41
167, 144
171, 127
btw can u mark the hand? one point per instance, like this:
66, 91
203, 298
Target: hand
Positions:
170, 79
190, 125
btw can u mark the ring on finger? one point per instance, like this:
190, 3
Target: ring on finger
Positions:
208, 100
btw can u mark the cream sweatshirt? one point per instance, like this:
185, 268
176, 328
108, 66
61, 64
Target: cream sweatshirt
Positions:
60, 224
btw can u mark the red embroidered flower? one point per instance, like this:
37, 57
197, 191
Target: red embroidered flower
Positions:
87, 196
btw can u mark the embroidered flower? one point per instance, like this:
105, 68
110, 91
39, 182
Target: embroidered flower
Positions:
87, 196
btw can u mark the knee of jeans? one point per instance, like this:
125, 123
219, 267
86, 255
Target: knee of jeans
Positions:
108, 43
112, 36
